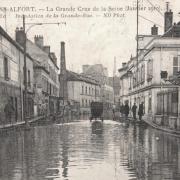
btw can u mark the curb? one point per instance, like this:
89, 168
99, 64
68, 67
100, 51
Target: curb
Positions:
19, 124
169, 131
166, 130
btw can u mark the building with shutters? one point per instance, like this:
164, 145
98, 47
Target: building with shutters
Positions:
12, 79
141, 80
83, 90
46, 83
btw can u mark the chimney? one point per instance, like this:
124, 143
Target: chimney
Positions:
123, 64
63, 59
154, 30
168, 18
39, 41
63, 74
46, 49
20, 36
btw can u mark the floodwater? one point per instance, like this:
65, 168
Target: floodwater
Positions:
73, 151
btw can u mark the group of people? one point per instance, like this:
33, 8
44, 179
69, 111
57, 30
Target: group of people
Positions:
125, 110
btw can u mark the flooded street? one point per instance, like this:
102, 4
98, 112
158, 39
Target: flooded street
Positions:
73, 152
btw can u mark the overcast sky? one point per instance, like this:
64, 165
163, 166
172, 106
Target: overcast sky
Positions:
90, 40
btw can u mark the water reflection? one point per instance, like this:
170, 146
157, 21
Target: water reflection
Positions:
74, 152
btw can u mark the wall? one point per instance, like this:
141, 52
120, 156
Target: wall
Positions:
12, 87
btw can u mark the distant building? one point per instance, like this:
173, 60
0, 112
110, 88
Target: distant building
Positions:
82, 89
12, 78
46, 84
100, 74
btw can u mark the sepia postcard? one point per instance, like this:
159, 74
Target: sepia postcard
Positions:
90, 90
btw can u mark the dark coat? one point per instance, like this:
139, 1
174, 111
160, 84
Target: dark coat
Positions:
141, 110
8, 109
134, 108
126, 109
122, 109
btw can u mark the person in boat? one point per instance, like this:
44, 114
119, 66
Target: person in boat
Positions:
134, 108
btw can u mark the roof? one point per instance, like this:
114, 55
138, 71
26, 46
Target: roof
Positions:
122, 69
17, 45
173, 31
125, 75
40, 51
42, 68
72, 76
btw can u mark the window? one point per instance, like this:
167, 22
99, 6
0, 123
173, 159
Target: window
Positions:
142, 73
86, 90
149, 70
82, 102
176, 65
149, 104
82, 89
174, 97
6, 70
50, 89
29, 78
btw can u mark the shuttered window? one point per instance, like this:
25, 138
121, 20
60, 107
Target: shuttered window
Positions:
176, 65
6, 69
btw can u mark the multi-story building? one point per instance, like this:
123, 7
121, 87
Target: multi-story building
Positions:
83, 90
142, 79
76, 90
100, 74
12, 78
46, 84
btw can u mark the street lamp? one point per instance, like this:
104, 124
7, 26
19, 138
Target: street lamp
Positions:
25, 65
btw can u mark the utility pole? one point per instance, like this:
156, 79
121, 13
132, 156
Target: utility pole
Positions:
25, 76
114, 74
137, 41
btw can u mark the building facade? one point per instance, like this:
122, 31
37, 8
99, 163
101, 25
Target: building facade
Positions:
12, 79
143, 79
83, 90
46, 83
100, 74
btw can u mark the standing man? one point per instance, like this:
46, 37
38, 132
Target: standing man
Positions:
122, 110
141, 111
134, 108
113, 110
126, 110
9, 110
